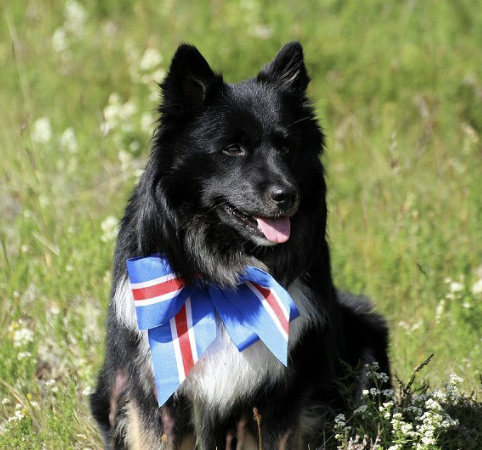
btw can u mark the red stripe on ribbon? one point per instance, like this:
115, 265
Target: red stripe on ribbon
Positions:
183, 337
158, 289
273, 302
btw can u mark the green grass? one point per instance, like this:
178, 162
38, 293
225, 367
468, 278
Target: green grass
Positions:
398, 89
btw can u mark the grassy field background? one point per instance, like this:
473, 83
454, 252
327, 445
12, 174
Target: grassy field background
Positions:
398, 89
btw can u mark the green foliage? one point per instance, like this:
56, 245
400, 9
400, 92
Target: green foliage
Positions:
397, 86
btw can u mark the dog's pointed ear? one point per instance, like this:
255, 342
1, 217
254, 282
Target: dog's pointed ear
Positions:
287, 68
188, 82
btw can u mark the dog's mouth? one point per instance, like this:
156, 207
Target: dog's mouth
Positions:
274, 229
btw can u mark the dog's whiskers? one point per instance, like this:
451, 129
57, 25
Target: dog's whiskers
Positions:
217, 206
298, 121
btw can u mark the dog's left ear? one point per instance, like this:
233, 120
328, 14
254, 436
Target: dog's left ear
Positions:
287, 68
188, 82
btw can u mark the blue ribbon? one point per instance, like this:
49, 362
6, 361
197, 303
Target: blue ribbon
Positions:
181, 319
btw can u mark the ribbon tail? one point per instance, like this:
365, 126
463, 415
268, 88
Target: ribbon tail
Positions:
232, 318
176, 346
164, 363
261, 319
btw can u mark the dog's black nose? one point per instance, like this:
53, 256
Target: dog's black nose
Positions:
284, 196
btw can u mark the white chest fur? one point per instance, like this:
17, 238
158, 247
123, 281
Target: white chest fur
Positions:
223, 374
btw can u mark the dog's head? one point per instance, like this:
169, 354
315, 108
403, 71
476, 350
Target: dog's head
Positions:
237, 165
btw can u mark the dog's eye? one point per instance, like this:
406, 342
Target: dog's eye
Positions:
234, 150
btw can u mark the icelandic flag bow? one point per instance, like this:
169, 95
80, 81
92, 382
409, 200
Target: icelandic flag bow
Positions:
181, 319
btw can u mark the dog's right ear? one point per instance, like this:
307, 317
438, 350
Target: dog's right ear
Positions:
188, 82
287, 69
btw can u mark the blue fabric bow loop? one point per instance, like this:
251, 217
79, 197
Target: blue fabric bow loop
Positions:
181, 319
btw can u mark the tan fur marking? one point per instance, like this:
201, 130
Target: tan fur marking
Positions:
246, 441
133, 431
188, 443
137, 437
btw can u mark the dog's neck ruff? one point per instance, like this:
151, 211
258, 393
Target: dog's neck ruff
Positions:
181, 319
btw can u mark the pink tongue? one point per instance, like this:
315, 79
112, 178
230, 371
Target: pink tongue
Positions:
275, 230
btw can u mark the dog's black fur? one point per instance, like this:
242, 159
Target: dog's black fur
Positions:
223, 154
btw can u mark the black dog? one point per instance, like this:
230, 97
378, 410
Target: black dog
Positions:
235, 179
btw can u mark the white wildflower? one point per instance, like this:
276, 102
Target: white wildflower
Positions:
134, 146
23, 355
477, 287
43, 200
383, 377
19, 413
75, 18
449, 422
439, 395
419, 398
158, 75
411, 328
125, 159
357, 443
118, 114
263, 31
60, 43
415, 410
456, 286
21, 335
153, 93
6, 401
385, 409
433, 405
361, 409
428, 440
111, 113
87, 391
455, 379
42, 131
109, 228
388, 392
397, 417
68, 140
33, 403
374, 391
340, 427
406, 428
147, 121
128, 110
439, 311
150, 59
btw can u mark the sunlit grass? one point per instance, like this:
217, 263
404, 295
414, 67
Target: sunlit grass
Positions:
397, 86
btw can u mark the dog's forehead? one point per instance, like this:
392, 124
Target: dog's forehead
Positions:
254, 101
